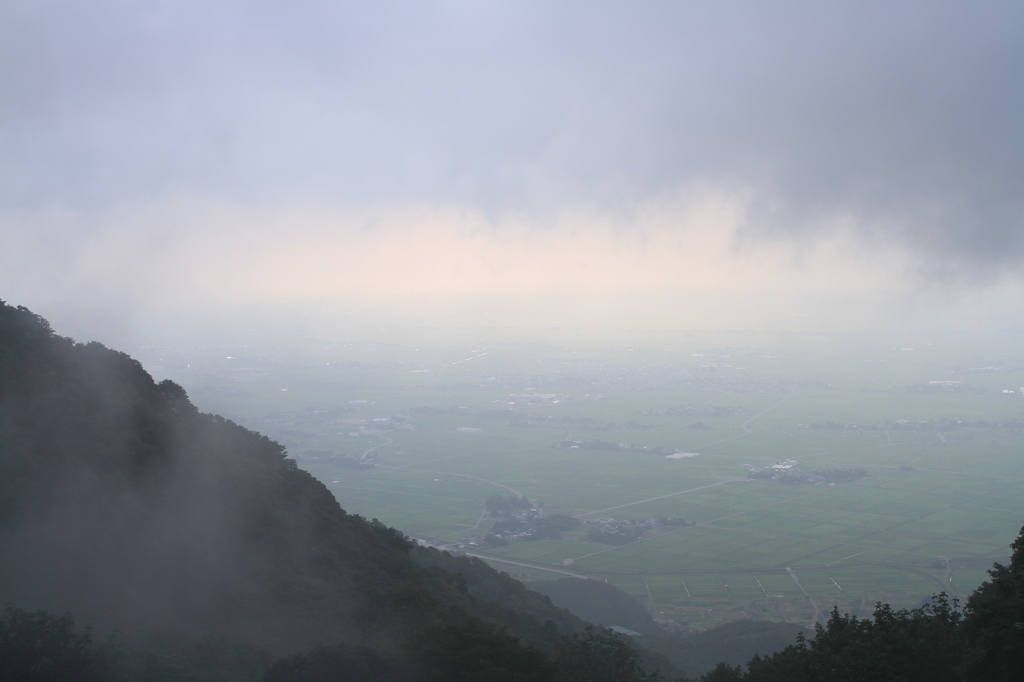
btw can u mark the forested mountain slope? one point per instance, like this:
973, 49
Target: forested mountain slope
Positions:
124, 505
604, 604
218, 559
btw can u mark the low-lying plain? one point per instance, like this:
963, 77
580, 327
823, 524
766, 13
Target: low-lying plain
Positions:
819, 471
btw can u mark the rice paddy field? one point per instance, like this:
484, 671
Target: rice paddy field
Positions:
419, 428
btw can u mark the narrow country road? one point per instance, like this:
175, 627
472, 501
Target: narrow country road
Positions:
817, 611
379, 445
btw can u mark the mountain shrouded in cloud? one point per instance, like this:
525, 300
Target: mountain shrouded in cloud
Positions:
122, 503
148, 131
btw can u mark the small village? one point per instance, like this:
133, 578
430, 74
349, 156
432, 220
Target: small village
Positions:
515, 519
786, 471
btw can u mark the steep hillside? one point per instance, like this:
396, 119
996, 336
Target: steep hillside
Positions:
607, 605
123, 504
218, 559
598, 602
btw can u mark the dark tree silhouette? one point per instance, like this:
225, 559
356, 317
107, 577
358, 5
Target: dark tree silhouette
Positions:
995, 620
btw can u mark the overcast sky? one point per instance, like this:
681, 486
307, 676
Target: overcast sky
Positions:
238, 150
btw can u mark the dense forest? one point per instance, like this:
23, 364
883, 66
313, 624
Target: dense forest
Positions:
143, 540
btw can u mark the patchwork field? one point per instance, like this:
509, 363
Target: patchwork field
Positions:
420, 432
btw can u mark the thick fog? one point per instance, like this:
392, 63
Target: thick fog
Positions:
162, 155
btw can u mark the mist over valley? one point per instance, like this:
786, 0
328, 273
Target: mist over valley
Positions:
511, 341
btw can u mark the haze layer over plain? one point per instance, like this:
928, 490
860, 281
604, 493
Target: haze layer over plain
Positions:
703, 164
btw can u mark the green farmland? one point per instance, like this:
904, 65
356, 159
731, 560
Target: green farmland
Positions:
930, 489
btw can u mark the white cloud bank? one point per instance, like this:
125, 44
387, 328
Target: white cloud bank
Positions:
155, 152
679, 261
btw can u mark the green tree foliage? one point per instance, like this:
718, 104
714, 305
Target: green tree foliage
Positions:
733, 643
339, 663
40, 647
938, 642
995, 620
501, 598
927, 644
601, 656
467, 650
723, 672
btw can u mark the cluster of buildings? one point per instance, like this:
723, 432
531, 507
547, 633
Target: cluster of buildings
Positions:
617, 531
782, 471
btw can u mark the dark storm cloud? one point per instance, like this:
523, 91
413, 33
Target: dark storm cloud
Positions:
906, 117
